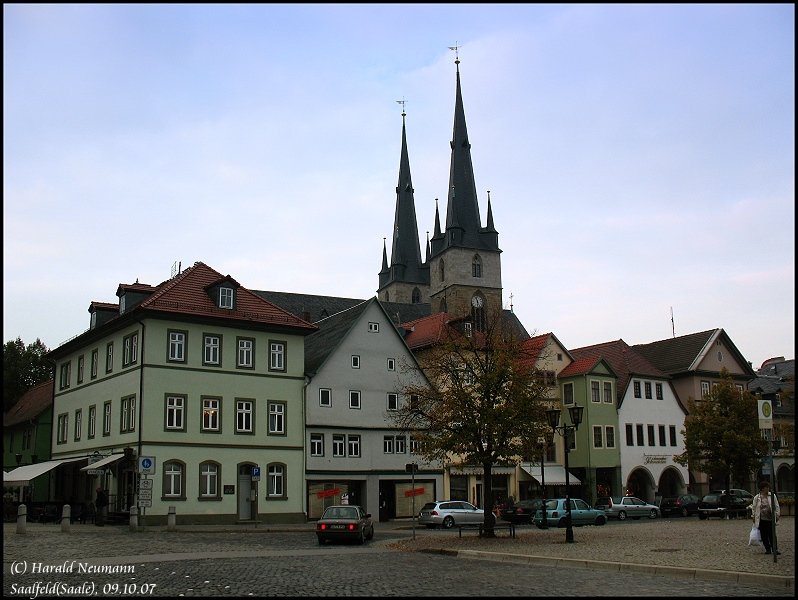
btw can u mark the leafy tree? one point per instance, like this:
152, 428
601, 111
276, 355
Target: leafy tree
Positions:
721, 434
485, 404
23, 367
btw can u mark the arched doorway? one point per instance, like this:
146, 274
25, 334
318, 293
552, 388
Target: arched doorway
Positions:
671, 483
640, 483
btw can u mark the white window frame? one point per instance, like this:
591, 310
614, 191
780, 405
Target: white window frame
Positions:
245, 416
275, 486
175, 413
325, 397
608, 392
246, 353
353, 445
78, 424
374, 327
392, 401
211, 414
107, 418
400, 444
317, 444
355, 361
177, 346
566, 387
276, 418
598, 436
392, 364
595, 390
92, 421
209, 480
354, 399
658, 391
212, 349
226, 297
173, 479
277, 352
338, 445
387, 444
609, 436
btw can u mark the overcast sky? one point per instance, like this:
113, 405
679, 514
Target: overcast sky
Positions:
640, 158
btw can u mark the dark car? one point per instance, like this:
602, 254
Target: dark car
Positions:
522, 512
345, 522
724, 506
684, 505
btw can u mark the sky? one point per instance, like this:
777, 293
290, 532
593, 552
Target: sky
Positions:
640, 158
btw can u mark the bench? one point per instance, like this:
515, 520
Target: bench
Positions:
510, 527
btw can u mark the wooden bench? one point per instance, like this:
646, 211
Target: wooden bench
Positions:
510, 527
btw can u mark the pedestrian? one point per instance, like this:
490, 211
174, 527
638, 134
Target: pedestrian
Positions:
765, 511
102, 506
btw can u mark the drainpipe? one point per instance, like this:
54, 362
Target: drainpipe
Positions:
140, 427
305, 385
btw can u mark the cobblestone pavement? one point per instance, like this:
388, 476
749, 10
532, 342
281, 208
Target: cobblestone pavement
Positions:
289, 562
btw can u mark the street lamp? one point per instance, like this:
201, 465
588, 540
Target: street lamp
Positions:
774, 445
553, 415
543, 444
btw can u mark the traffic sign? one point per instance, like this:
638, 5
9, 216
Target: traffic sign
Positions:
147, 465
95, 472
255, 473
145, 503
145, 494
145, 484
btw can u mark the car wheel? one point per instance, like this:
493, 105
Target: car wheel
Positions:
448, 522
652, 514
561, 522
361, 539
702, 516
601, 520
622, 515
371, 534
684, 512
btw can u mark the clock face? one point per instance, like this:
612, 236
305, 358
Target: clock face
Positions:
476, 302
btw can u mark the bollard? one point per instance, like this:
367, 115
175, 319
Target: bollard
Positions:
66, 519
171, 519
134, 518
22, 518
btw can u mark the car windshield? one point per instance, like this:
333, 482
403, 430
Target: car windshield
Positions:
340, 512
428, 506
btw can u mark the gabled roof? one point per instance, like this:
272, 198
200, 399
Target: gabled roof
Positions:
584, 366
533, 346
426, 331
310, 307
683, 354
774, 376
33, 403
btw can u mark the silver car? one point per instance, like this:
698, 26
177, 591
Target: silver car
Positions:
621, 507
448, 513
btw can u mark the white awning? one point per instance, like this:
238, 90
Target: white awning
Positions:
496, 470
23, 475
553, 474
112, 458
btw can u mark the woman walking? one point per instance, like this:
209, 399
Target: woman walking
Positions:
766, 512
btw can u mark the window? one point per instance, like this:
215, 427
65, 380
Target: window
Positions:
651, 440
173, 479
177, 346
608, 392
387, 444
647, 386
416, 296
276, 418
246, 353
401, 444
640, 441
107, 418
92, 421
704, 389
339, 444
441, 270
109, 357
637, 389
413, 402
415, 445
244, 414
392, 364
630, 438
63, 428
211, 414
226, 297
209, 481
78, 424
81, 364
353, 445
374, 327
176, 412
355, 361
66, 375
128, 415
275, 486
277, 356
130, 349
393, 401
354, 399
317, 444
325, 397
597, 436
568, 393
94, 360
661, 431
212, 349
672, 431
609, 436
594, 391
658, 391
476, 266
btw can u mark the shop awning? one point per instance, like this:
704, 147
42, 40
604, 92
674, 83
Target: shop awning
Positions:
553, 474
23, 475
112, 458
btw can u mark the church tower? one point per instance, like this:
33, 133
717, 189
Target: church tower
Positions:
461, 273
465, 259
406, 278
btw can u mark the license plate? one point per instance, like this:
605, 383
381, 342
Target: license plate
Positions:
337, 526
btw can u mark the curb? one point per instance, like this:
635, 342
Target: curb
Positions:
776, 581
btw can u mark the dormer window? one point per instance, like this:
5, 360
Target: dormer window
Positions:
93, 320
122, 305
226, 297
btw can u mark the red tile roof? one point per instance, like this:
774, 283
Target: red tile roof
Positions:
580, 366
32, 403
426, 331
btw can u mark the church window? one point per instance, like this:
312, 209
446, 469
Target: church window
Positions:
416, 296
476, 266
442, 270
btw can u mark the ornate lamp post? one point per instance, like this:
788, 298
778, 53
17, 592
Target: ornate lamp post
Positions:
543, 444
553, 415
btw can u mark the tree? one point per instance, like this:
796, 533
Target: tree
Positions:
484, 405
23, 367
721, 434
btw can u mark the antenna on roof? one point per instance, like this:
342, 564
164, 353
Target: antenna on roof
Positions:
176, 268
673, 326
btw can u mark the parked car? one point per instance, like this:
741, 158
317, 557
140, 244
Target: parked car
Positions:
684, 505
736, 492
345, 522
581, 514
724, 506
621, 507
448, 513
521, 512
